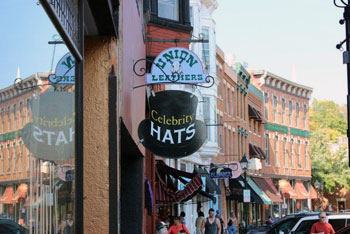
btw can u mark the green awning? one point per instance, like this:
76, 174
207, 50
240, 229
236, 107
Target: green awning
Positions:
257, 190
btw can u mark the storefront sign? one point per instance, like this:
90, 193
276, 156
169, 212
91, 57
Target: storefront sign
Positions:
236, 169
51, 134
221, 173
177, 64
65, 72
246, 195
172, 130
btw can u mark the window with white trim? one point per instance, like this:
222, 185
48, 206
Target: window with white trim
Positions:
299, 155
292, 153
285, 161
266, 109
283, 107
290, 111
276, 152
206, 49
297, 115
274, 109
267, 147
304, 115
168, 9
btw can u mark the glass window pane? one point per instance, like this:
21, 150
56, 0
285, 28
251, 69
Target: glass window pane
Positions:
168, 9
37, 125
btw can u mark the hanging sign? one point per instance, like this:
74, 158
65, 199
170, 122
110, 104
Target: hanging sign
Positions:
51, 134
65, 72
236, 169
177, 64
246, 195
172, 130
220, 173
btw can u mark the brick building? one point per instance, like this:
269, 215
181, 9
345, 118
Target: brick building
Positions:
287, 141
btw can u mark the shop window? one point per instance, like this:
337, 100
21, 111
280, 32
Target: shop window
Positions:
206, 49
168, 9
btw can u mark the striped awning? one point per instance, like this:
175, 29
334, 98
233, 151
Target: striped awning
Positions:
168, 194
6, 197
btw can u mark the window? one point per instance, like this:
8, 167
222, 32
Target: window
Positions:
2, 160
14, 157
8, 118
276, 151
285, 152
28, 108
266, 100
8, 158
297, 114
238, 104
168, 9
228, 102
298, 152
14, 116
291, 153
20, 157
244, 107
305, 226
2, 120
267, 143
220, 136
274, 108
304, 115
233, 103
306, 155
205, 49
290, 110
337, 223
283, 106
224, 97
206, 113
21, 113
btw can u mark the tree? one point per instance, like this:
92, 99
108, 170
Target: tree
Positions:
327, 122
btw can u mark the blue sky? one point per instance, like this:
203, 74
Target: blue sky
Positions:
25, 30
274, 35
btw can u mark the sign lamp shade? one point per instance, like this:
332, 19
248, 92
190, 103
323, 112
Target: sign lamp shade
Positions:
244, 162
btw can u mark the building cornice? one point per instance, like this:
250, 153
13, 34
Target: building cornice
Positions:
271, 80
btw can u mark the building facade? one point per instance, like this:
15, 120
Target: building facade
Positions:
287, 140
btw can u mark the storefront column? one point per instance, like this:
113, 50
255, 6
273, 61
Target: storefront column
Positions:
100, 54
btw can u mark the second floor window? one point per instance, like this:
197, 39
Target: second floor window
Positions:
168, 9
205, 49
304, 115
267, 147
285, 161
276, 152
298, 152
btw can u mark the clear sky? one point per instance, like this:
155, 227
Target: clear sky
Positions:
275, 35
25, 31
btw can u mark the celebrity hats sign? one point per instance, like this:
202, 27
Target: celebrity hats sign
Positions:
172, 130
51, 134
177, 65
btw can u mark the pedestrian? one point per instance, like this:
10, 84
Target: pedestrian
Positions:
322, 226
67, 226
232, 224
183, 215
161, 228
211, 225
199, 221
178, 227
218, 216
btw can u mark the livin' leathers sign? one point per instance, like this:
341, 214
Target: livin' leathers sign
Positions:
172, 130
221, 173
177, 65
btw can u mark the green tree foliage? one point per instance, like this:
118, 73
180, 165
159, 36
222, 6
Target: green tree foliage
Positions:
327, 122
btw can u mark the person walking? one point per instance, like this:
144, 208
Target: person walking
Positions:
199, 221
218, 216
211, 225
178, 227
322, 227
232, 224
67, 226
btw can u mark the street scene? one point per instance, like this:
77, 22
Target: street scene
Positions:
174, 116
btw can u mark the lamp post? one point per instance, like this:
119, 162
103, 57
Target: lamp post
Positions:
317, 186
244, 164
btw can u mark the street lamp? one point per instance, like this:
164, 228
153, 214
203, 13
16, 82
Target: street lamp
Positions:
317, 186
244, 165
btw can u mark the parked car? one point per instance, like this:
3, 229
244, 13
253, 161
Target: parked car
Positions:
344, 230
8, 226
302, 223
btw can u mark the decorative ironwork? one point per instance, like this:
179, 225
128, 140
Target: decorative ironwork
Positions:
141, 71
